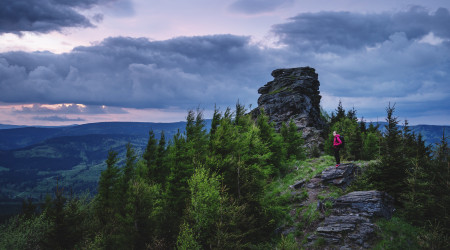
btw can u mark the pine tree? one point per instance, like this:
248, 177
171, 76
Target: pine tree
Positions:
151, 156
128, 169
214, 123
362, 125
107, 188
408, 141
371, 145
390, 175
293, 140
181, 168
351, 114
203, 211
440, 169
340, 114
196, 137
143, 213
273, 140
162, 170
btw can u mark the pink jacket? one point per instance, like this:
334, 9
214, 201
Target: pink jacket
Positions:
337, 140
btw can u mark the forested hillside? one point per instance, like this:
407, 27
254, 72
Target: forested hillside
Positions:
34, 159
225, 187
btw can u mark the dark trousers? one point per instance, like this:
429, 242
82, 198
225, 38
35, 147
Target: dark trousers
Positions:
336, 155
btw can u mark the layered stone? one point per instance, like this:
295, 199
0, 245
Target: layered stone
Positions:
294, 94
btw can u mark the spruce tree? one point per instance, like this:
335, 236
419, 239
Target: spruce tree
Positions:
391, 174
162, 170
107, 196
441, 183
273, 140
340, 114
203, 210
214, 123
151, 156
293, 140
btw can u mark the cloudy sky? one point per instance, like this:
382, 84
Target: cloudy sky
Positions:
71, 62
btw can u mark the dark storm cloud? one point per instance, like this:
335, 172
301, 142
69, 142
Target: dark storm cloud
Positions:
331, 31
128, 72
186, 72
258, 6
56, 118
43, 16
369, 60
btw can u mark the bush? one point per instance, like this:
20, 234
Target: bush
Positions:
287, 243
398, 234
21, 233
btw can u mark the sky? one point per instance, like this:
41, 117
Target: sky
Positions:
72, 62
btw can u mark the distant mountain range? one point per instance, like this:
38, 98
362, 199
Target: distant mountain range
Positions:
431, 134
33, 160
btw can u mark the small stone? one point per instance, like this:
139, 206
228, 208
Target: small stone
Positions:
298, 184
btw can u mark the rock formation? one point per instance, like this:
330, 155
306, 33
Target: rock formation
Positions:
341, 176
345, 222
294, 94
351, 224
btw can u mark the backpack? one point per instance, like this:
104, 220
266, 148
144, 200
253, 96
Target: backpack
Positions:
342, 140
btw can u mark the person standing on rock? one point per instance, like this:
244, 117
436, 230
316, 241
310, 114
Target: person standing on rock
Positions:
337, 146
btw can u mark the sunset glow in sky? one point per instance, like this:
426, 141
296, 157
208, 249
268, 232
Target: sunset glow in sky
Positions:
74, 62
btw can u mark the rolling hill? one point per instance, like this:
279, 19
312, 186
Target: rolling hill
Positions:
34, 160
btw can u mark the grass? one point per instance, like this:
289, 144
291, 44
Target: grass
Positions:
396, 233
311, 214
287, 243
279, 90
332, 192
278, 200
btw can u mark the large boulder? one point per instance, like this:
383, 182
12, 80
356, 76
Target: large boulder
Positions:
294, 94
351, 223
365, 203
340, 176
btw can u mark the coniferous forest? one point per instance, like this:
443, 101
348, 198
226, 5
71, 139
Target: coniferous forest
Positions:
218, 188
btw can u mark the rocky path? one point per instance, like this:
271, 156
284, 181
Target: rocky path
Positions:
345, 222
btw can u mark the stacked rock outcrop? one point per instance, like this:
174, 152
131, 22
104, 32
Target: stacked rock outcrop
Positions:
342, 176
294, 94
351, 224
345, 222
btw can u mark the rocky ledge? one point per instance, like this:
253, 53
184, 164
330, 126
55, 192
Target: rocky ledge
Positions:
349, 222
340, 176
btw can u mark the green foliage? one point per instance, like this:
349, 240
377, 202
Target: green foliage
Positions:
205, 204
311, 214
287, 243
151, 154
293, 140
340, 114
108, 188
187, 239
273, 140
363, 182
350, 130
143, 212
398, 234
370, 145
24, 233
390, 174
201, 190
361, 143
